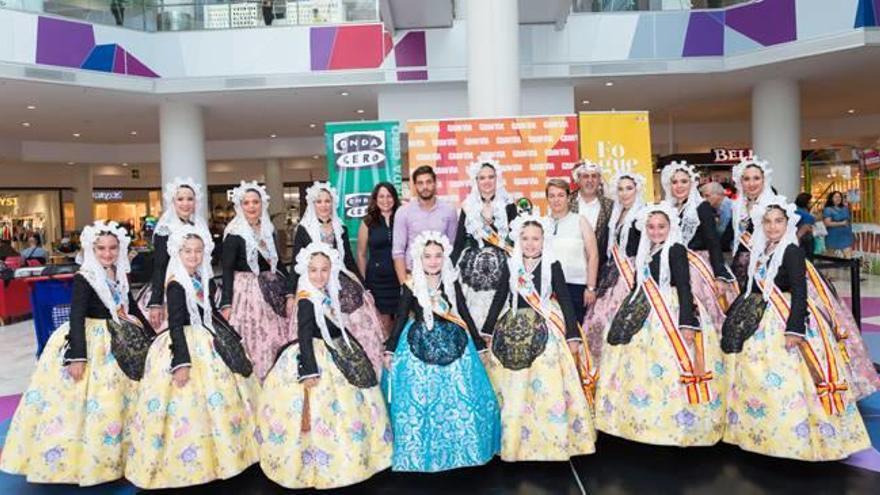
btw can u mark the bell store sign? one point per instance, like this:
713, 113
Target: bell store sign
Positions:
728, 155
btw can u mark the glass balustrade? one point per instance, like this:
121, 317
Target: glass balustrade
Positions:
636, 5
186, 15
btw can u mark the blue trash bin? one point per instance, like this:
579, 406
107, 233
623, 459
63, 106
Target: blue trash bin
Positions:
50, 301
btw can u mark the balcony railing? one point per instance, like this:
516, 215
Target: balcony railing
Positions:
187, 15
635, 5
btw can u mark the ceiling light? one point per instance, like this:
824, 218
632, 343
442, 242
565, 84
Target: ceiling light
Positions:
609, 83
813, 140
344, 93
31, 107
124, 164
851, 111
586, 102
360, 110
71, 163
25, 124
133, 133
313, 125
76, 134
273, 136
315, 157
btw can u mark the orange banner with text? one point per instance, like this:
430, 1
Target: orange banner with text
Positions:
618, 139
529, 149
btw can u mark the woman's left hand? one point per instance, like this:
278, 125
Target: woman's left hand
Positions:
589, 297
575, 347
181, 376
793, 341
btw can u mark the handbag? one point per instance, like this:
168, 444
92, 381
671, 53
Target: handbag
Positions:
130, 342
227, 343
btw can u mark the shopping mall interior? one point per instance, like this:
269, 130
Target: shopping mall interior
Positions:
100, 105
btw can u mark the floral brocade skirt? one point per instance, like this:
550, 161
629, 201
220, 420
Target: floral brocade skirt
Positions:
344, 438
640, 395
444, 416
263, 332
545, 415
190, 435
66, 431
773, 404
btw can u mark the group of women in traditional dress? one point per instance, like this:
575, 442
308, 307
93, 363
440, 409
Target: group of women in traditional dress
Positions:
493, 351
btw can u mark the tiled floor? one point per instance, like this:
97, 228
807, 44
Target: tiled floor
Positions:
618, 467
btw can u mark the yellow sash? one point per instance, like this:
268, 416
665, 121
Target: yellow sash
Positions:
697, 387
624, 267
583, 360
839, 332
745, 239
447, 314
697, 262
493, 239
829, 384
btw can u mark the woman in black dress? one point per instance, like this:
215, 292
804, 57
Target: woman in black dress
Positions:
374, 252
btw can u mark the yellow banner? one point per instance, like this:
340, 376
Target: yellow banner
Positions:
618, 139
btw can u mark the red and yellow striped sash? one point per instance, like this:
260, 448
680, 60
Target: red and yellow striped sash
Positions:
446, 315
829, 386
745, 239
494, 239
839, 332
624, 267
555, 319
697, 387
705, 272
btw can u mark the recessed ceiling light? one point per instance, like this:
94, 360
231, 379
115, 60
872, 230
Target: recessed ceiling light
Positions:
315, 157
31, 107
25, 124
344, 93
133, 133
273, 136
609, 83
586, 102
313, 125
813, 140
360, 110
76, 134
851, 111
124, 164
71, 163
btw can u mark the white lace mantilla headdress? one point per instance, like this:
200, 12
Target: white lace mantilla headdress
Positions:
759, 242
255, 244
326, 302
94, 273
689, 219
448, 274
169, 219
473, 203
646, 251
521, 281
617, 209
310, 219
740, 204
177, 272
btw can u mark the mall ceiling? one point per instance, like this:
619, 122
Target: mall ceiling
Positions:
832, 84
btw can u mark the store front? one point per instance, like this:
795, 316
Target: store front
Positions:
26, 211
132, 208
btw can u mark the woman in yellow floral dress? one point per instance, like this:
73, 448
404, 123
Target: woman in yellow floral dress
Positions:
661, 374
193, 421
536, 350
322, 419
69, 425
789, 394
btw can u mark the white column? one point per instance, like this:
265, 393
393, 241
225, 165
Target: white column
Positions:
182, 143
493, 58
776, 132
275, 188
82, 197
